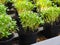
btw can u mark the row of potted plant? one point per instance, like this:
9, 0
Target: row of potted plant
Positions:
7, 27
28, 16
49, 10
28, 27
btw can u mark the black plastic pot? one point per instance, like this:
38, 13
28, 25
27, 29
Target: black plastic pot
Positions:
49, 31
9, 4
11, 10
27, 38
56, 28
6, 41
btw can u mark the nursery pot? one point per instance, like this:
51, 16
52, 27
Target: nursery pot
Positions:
11, 10
9, 4
56, 28
13, 13
27, 38
48, 31
6, 41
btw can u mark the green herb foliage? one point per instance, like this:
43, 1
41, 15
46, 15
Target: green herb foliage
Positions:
7, 26
23, 5
30, 19
2, 9
14, 1
43, 4
51, 14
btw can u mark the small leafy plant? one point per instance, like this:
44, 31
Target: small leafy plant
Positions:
21, 6
7, 26
30, 19
2, 9
51, 14
43, 4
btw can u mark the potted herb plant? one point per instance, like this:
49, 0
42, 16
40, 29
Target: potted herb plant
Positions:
7, 27
30, 22
14, 6
50, 16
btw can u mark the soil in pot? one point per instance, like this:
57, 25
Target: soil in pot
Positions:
6, 41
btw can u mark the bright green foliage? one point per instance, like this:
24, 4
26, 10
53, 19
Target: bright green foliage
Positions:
18, 0
50, 14
23, 5
2, 9
7, 26
43, 4
30, 19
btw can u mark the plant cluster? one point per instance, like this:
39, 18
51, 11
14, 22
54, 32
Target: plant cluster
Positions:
30, 19
14, 1
48, 10
51, 14
43, 4
21, 6
7, 26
